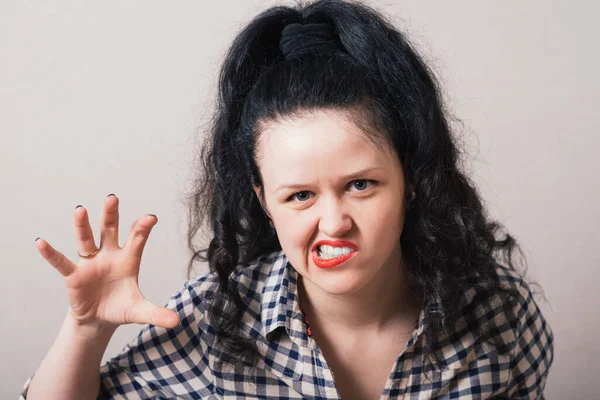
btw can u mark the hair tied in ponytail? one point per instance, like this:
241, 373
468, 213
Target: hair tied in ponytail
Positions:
301, 39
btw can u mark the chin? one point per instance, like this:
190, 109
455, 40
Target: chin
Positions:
339, 284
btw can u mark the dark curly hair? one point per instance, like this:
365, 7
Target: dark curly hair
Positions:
448, 242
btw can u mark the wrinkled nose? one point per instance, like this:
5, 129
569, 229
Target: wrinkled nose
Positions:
334, 221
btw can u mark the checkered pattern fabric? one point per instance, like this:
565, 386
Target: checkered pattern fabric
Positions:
180, 363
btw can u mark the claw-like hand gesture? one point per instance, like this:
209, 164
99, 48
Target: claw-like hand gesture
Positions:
102, 286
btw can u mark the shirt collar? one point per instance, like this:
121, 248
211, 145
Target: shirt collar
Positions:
279, 301
280, 306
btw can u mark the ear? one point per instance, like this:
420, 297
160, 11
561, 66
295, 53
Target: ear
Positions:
408, 195
257, 191
409, 188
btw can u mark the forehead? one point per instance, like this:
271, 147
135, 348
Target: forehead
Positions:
320, 144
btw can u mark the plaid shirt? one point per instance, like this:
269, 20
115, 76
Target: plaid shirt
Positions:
179, 363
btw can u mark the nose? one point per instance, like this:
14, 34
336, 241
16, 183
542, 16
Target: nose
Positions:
334, 221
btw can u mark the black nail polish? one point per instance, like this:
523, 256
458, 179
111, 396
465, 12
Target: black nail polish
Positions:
112, 194
78, 206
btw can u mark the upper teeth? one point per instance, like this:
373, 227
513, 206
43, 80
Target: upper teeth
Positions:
334, 251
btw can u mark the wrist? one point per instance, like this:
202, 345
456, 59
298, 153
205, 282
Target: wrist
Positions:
89, 330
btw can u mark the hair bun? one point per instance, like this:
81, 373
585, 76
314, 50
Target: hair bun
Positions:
300, 39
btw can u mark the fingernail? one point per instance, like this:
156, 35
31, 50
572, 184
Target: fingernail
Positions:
112, 194
78, 206
37, 239
153, 216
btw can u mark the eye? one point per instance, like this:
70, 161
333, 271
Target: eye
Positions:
362, 186
293, 196
363, 183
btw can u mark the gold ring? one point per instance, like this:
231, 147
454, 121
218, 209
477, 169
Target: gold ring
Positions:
88, 255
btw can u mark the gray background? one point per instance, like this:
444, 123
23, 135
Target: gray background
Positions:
109, 97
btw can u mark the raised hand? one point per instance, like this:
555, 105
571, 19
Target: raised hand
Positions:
102, 287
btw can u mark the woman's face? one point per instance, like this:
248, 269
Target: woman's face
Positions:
347, 190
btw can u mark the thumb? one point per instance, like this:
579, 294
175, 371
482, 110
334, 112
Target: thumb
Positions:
147, 313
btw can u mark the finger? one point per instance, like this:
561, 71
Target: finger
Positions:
61, 263
145, 312
83, 231
109, 224
138, 235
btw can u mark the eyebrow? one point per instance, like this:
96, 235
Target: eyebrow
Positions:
345, 177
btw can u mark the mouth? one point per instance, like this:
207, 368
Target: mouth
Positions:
330, 262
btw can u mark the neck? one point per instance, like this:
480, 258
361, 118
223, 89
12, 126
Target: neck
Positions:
384, 301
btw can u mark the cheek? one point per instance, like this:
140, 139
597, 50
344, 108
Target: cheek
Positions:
295, 234
387, 214
382, 228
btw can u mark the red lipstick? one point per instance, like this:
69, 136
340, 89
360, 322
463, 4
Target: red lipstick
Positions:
333, 262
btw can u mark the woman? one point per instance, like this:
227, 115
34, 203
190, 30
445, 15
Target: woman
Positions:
350, 257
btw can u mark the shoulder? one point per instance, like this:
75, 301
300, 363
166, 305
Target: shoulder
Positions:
532, 352
149, 364
508, 316
504, 334
525, 314
190, 300
511, 279
263, 271
526, 318
250, 280
514, 323
513, 297
201, 287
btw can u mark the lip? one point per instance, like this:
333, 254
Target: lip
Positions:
335, 243
333, 262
